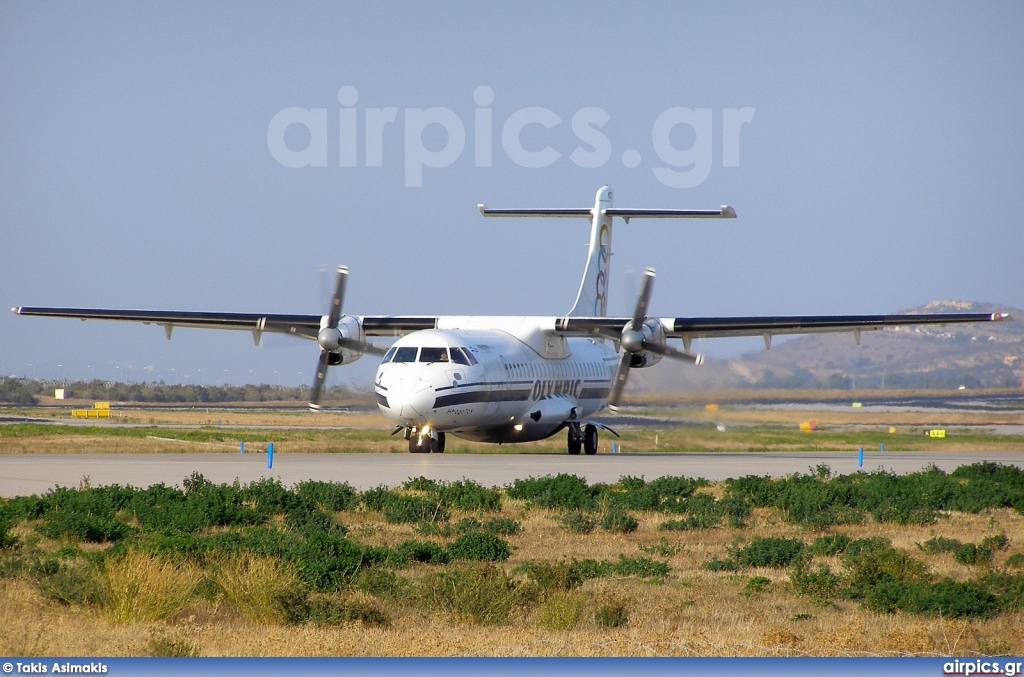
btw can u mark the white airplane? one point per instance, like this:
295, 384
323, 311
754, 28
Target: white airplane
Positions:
510, 379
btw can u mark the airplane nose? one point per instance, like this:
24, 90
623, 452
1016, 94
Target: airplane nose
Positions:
410, 399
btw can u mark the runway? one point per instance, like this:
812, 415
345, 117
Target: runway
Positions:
35, 474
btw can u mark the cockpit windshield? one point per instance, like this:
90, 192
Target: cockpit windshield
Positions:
433, 354
429, 355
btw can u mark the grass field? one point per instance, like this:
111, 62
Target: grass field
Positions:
543, 567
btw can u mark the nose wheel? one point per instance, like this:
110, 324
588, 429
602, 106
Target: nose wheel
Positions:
426, 444
582, 439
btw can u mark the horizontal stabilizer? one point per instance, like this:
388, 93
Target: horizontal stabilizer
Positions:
564, 213
724, 212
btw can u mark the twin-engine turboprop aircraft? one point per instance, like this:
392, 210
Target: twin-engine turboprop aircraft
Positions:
514, 379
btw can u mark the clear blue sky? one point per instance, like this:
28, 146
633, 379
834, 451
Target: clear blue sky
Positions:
883, 166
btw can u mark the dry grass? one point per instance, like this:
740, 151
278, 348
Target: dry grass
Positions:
252, 586
140, 587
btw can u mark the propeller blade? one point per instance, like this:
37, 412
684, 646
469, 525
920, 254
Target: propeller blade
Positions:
674, 353
642, 301
318, 380
619, 380
334, 314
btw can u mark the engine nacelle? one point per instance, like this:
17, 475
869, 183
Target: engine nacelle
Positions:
348, 328
654, 332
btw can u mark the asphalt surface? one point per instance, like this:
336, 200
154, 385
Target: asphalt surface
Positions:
33, 474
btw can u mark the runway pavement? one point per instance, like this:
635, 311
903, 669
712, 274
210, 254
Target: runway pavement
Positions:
32, 474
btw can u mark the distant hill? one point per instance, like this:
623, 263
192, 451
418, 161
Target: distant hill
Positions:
984, 355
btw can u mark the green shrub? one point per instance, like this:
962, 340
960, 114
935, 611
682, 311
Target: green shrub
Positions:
946, 598
619, 522
69, 585
381, 583
420, 551
7, 539
969, 553
308, 520
756, 585
578, 522
611, 616
727, 564
468, 524
870, 567
768, 552
997, 542
502, 526
1015, 560
402, 508
568, 492
830, 545
467, 495
326, 610
641, 567
268, 495
330, 496
552, 575
820, 585
479, 546
940, 544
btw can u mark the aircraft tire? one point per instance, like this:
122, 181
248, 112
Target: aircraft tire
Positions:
438, 446
574, 445
590, 440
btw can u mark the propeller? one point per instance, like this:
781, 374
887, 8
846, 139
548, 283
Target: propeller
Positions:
330, 339
633, 340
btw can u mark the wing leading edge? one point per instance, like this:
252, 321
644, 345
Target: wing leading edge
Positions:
305, 326
688, 328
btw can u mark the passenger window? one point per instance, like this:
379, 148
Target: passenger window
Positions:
433, 354
389, 355
405, 354
458, 357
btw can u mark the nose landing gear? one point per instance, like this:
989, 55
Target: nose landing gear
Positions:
584, 438
430, 442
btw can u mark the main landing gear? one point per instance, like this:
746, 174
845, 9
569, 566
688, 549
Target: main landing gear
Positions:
426, 443
582, 438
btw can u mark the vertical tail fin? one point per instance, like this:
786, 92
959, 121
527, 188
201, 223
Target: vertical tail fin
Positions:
592, 298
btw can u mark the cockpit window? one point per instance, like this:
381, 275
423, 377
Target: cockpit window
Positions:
405, 354
433, 354
463, 356
388, 356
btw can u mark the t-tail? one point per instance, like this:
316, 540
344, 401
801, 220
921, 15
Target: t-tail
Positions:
592, 297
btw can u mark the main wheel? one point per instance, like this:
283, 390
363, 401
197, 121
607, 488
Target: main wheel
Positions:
439, 444
590, 440
414, 445
574, 444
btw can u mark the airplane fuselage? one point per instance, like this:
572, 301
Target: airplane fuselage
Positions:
491, 385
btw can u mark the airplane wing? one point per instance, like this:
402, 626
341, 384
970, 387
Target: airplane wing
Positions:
688, 328
305, 326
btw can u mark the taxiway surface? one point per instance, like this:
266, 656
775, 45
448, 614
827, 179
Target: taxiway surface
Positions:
34, 474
